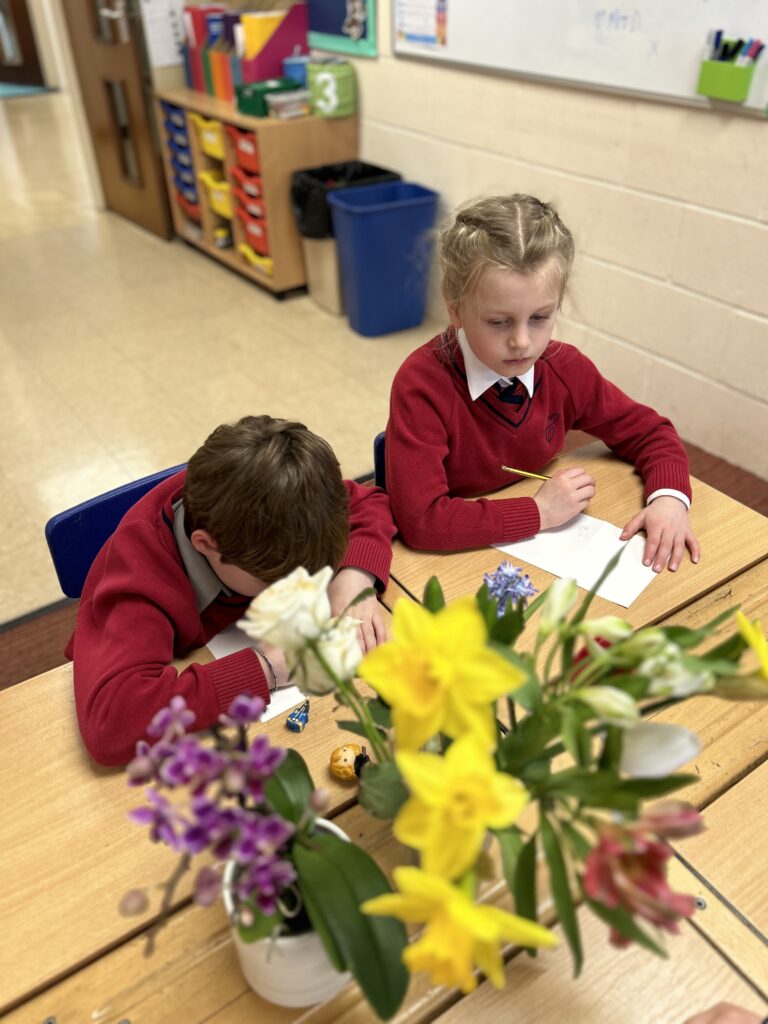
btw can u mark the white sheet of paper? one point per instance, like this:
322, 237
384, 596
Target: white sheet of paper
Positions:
580, 549
233, 639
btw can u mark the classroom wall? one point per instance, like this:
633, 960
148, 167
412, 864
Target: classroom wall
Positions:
668, 205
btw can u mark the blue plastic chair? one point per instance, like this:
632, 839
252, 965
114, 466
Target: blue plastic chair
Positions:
76, 535
379, 468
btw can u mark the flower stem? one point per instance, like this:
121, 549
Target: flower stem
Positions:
352, 698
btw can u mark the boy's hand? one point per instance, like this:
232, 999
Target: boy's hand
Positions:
343, 589
277, 662
563, 496
668, 533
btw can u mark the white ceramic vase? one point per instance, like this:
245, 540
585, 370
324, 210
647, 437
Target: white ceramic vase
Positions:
290, 970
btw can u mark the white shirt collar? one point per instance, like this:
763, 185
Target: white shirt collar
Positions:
480, 377
205, 583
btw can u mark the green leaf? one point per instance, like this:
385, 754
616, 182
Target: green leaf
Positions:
338, 876
528, 741
289, 789
613, 743
646, 788
355, 727
382, 791
507, 629
625, 925
524, 887
434, 600
570, 641
575, 736
578, 843
561, 892
320, 924
381, 713
534, 605
511, 845
263, 925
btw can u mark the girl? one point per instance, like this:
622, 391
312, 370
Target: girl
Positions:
494, 388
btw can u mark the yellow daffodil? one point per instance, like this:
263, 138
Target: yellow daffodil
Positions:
454, 800
754, 636
459, 935
438, 674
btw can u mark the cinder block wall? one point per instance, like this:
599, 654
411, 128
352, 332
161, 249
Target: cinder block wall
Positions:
668, 204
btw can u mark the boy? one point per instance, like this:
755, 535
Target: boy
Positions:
258, 499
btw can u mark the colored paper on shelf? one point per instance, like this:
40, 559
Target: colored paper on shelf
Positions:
207, 76
288, 39
259, 26
214, 28
194, 19
195, 57
230, 21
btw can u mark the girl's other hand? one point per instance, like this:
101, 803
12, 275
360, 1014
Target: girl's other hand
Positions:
668, 533
563, 496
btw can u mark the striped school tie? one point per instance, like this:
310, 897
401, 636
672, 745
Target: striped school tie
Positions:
512, 393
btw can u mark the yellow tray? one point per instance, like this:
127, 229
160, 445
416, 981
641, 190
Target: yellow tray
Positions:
210, 134
219, 193
264, 263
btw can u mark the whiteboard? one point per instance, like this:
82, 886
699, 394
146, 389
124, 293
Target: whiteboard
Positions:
653, 47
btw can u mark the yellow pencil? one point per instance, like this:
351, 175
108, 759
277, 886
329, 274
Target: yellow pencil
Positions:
524, 472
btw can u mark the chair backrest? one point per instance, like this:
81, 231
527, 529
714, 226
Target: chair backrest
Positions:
379, 468
77, 535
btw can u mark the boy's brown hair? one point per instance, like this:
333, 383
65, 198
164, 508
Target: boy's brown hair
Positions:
271, 495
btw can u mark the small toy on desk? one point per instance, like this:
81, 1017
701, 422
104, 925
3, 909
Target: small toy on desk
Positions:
348, 761
298, 718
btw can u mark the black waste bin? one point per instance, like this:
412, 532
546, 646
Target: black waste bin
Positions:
309, 196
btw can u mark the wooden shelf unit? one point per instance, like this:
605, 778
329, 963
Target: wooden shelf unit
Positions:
284, 147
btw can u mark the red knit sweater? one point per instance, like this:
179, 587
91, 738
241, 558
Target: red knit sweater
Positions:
138, 612
442, 447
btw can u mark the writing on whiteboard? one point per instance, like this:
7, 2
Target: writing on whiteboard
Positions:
617, 20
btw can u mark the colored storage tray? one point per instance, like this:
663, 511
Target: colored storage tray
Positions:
724, 80
246, 148
255, 232
253, 259
176, 134
174, 114
251, 184
192, 210
219, 193
253, 207
182, 154
251, 98
210, 135
188, 191
184, 172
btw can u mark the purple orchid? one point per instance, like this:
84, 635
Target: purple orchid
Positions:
244, 710
173, 720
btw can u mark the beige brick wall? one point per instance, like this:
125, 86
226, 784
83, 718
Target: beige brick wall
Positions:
668, 204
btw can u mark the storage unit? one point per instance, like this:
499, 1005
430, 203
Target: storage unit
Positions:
246, 192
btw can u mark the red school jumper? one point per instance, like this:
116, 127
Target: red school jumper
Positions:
138, 612
442, 447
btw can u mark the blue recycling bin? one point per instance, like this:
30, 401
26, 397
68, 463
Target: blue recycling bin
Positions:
384, 239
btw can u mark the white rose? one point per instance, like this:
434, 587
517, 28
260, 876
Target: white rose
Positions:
291, 611
653, 750
339, 647
558, 601
609, 704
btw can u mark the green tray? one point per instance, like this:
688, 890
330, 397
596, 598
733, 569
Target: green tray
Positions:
723, 80
252, 98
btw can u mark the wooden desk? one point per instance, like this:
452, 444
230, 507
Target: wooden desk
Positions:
68, 855
732, 536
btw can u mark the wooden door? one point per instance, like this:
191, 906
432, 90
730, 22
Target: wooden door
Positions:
108, 50
19, 62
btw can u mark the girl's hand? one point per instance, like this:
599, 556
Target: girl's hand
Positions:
725, 1013
343, 589
563, 496
668, 533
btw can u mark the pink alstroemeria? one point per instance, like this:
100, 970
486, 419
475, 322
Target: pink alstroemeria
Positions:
627, 868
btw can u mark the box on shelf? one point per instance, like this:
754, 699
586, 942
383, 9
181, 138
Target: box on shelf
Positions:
219, 193
264, 263
287, 105
192, 210
246, 148
332, 87
254, 207
251, 98
724, 80
181, 154
255, 232
251, 184
210, 135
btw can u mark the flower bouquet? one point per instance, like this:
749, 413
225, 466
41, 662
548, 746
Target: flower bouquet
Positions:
500, 726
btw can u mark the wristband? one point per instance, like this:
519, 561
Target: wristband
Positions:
261, 654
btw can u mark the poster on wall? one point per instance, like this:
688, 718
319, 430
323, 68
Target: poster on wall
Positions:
163, 23
422, 21
343, 26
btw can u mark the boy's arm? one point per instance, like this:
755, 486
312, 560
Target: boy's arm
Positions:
122, 649
426, 517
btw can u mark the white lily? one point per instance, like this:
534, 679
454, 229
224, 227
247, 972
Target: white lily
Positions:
653, 750
610, 704
558, 601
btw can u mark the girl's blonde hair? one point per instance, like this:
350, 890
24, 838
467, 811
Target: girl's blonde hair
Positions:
516, 232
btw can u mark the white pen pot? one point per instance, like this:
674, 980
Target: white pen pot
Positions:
287, 970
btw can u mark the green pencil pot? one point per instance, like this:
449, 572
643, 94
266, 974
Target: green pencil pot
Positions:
722, 80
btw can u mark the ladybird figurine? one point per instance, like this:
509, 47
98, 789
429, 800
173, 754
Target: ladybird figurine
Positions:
298, 718
347, 762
